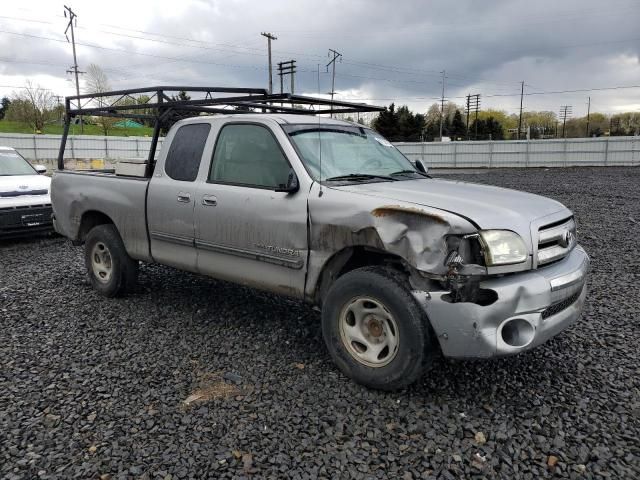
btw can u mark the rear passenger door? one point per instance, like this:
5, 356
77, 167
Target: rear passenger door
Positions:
172, 196
246, 231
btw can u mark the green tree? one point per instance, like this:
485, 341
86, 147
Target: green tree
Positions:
458, 127
4, 106
489, 129
98, 83
410, 125
432, 123
34, 106
387, 123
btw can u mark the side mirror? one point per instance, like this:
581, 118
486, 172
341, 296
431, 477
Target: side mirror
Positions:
41, 169
420, 166
292, 184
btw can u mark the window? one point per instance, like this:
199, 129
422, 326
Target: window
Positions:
185, 152
346, 150
12, 163
248, 155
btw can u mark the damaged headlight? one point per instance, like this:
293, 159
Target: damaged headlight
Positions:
502, 247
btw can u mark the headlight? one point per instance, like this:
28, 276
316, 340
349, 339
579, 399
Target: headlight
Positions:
503, 247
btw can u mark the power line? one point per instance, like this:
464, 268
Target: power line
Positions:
554, 92
401, 70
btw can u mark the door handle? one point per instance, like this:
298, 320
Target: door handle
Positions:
184, 197
209, 201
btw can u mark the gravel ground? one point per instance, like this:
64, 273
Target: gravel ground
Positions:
191, 377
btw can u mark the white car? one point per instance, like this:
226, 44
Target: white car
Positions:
25, 205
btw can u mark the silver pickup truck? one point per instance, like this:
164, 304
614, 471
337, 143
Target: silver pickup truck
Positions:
403, 266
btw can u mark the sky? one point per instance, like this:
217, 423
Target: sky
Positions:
392, 51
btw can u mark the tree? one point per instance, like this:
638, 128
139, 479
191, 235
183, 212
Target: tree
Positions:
489, 129
401, 125
97, 82
4, 106
432, 123
34, 106
181, 97
387, 122
410, 125
458, 127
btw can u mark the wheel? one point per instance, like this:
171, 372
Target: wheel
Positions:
374, 329
111, 270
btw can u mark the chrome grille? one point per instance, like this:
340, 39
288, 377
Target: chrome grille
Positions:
560, 306
556, 240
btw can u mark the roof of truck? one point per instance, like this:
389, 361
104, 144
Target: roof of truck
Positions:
278, 117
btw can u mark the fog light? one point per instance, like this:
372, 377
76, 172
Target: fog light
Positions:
517, 332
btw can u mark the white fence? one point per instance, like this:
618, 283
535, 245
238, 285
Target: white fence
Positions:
602, 151
44, 148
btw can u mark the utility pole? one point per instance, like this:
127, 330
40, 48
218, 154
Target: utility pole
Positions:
565, 111
588, 114
442, 105
473, 103
477, 106
468, 111
520, 119
58, 99
269, 37
336, 56
287, 68
74, 69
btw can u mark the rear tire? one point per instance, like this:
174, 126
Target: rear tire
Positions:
112, 272
374, 329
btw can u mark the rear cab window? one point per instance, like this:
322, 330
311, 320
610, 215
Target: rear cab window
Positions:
185, 151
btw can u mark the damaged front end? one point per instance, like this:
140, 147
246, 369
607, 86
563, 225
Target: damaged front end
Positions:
477, 287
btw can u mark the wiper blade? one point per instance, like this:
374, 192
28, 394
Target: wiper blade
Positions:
402, 172
360, 176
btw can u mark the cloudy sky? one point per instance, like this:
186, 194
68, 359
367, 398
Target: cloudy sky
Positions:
392, 50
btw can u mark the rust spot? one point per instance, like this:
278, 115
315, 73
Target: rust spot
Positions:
390, 210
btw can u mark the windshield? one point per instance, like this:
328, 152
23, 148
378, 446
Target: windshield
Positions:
356, 153
11, 163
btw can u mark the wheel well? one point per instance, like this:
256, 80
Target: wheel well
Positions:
351, 258
89, 220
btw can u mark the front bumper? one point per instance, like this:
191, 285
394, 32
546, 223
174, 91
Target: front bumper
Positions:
531, 307
25, 220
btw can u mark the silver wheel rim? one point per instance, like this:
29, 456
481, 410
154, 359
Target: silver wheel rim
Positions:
101, 262
369, 332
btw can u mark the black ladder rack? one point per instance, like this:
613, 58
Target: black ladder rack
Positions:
163, 101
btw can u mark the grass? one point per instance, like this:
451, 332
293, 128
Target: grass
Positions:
18, 127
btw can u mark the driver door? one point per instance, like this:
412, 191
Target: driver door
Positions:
247, 232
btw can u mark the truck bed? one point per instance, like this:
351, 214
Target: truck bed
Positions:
77, 196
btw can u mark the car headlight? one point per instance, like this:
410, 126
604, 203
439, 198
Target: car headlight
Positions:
503, 247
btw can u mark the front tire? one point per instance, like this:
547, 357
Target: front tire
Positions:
374, 329
112, 272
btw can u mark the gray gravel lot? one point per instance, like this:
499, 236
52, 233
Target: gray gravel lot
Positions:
96, 388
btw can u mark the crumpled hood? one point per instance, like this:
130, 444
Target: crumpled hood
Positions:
486, 206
